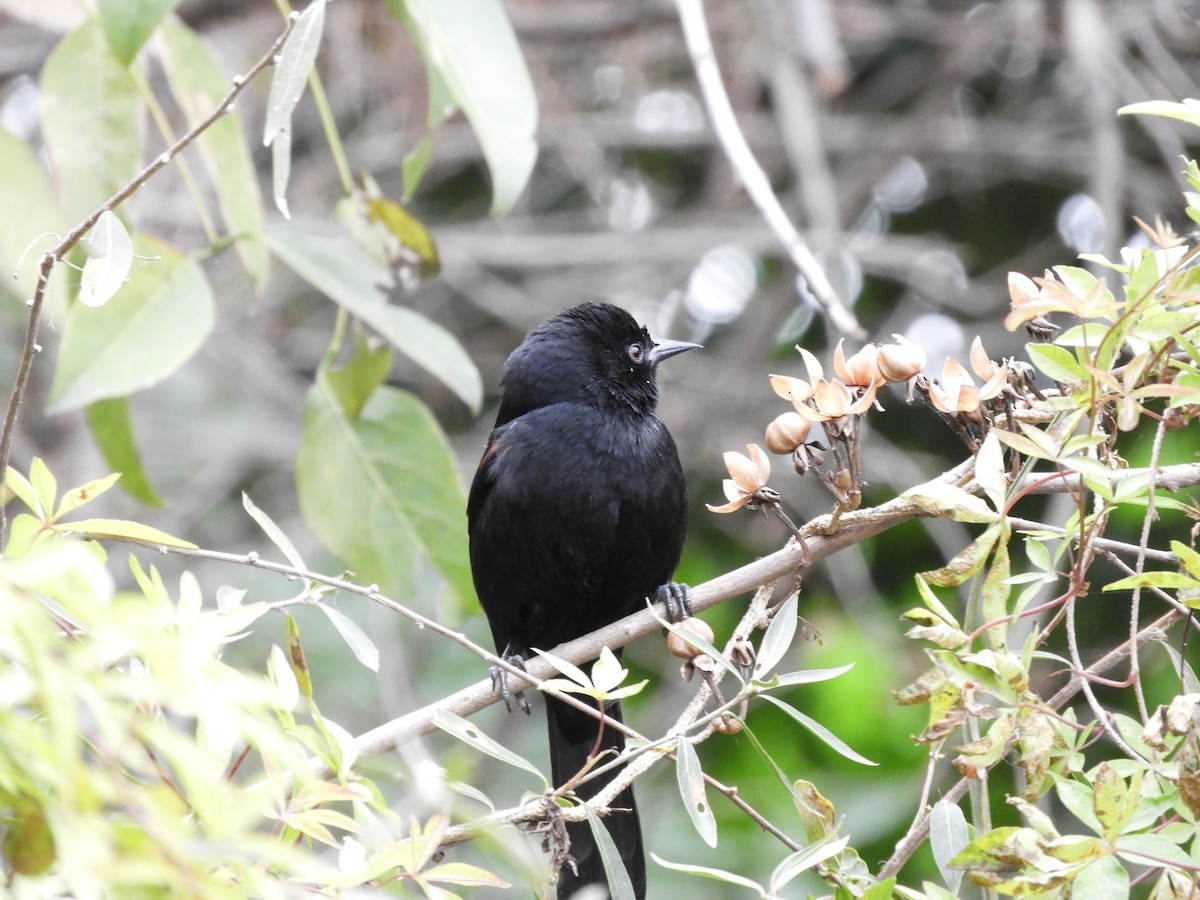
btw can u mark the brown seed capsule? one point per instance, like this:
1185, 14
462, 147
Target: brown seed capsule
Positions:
900, 361
787, 432
681, 648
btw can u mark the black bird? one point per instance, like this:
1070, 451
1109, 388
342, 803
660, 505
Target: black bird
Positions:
576, 515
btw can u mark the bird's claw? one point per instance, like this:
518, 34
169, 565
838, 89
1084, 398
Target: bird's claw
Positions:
676, 597
500, 683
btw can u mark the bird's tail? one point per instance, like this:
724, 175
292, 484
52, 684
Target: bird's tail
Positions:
572, 741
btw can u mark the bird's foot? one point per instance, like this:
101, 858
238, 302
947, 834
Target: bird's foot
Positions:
500, 683
676, 597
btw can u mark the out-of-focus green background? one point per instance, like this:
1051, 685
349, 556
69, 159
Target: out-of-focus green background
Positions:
925, 149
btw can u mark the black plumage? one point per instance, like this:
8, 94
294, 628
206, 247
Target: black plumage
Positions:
576, 514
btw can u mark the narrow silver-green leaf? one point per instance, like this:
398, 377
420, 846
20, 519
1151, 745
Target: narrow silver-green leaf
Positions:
380, 489
620, 885
821, 731
128, 24
347, 276
295, 62
947, 836
199, 85
691, 790
91, 119
804, 859
469, 734
363, 647
158, 320
472, 46
778, 637
274, 532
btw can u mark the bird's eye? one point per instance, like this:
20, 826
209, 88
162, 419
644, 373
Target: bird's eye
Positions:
635, 351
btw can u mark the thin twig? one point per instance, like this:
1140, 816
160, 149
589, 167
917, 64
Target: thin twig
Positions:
748, 170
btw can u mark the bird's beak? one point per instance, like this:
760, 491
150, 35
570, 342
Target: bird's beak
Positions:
666, 349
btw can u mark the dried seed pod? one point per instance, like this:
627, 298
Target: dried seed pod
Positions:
787, 432
681, 648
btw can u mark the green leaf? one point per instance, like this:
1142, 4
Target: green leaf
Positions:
690, 777
128, 24
28, 845
112, 430
1103, 879
145, 333
91, 120
1188, 557
29, 216
1078, 798
1056, 362
820, 731
295, 62
471, 46
469, 734
1153, 848
199, 85
381, 489
347, 276
45, 488
1166, 580
123, 530
85, 493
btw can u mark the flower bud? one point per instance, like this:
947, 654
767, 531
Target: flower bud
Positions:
787, 432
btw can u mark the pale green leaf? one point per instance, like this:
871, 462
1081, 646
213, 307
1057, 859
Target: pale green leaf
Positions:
1186, 111
85, 493
1102, 879
30, 220
145, 333
347, 276
381, 490
199, 85
472, 46
91, 120
810, 676
123, 530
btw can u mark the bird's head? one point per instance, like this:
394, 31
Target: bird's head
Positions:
594, 353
